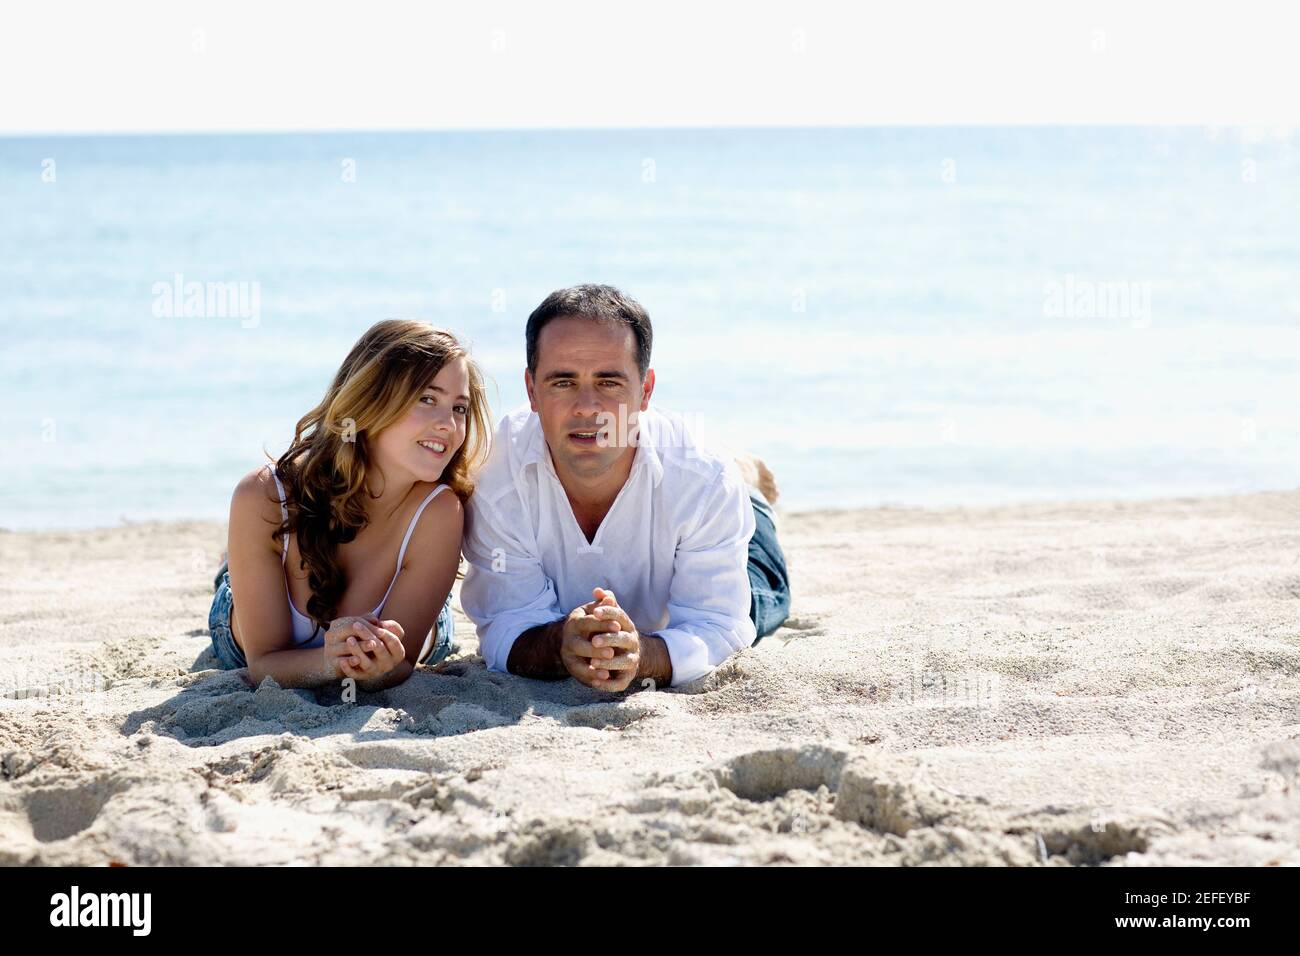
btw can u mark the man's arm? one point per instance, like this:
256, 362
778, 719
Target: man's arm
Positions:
655, 662
709, 597
577, 646
536, 653
506, 593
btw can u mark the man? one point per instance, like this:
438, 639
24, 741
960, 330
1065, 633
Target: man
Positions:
604, 543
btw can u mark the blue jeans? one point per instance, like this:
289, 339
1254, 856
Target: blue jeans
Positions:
230, 655
769, 580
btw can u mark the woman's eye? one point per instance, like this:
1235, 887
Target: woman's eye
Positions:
462, 409
427, 398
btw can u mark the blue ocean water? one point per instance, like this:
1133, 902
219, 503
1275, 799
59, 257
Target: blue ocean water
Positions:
919, 315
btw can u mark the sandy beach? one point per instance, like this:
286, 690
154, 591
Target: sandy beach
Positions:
1094, 683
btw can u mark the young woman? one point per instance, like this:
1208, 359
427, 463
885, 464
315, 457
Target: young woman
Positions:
343, 552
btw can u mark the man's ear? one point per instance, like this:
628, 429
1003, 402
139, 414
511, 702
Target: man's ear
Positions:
647, 388
528, 386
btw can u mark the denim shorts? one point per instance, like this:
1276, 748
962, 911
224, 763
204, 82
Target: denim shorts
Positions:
769, 580
230, 655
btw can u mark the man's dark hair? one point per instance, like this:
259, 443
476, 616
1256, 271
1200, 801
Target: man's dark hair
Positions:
602, 303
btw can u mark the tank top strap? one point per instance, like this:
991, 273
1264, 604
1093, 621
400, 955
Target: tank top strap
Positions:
284, 513
410, 529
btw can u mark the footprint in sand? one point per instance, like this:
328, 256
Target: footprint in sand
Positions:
796, 628
606, 716
62, 810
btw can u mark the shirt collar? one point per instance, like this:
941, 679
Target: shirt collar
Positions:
533, 450
647, 451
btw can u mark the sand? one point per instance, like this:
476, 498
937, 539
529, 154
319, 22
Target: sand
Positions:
1113, 684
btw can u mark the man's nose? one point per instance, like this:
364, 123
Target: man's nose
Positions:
587, 402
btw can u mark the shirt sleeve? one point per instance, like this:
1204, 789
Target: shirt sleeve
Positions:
505, 591
709, 598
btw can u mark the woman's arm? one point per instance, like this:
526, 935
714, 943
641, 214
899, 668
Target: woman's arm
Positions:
422, 586
261, 607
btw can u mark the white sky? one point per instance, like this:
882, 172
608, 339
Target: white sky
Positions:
373, 64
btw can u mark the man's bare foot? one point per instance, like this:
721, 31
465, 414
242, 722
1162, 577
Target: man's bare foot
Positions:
758, 475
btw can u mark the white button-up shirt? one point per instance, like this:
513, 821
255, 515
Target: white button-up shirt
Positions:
673, 548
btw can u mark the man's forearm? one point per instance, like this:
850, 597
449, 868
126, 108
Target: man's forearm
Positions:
655, 661
536, 653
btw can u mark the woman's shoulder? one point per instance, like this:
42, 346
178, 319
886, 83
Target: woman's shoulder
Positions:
256, 495
442, 512
438, 497
260, 482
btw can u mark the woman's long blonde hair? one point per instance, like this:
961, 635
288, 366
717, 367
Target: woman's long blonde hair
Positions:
325, 472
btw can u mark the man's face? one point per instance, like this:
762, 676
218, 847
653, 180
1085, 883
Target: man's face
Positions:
587, 392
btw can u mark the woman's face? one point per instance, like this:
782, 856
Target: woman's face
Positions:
421, 443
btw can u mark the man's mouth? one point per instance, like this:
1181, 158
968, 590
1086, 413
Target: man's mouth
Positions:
583, 438
434, 445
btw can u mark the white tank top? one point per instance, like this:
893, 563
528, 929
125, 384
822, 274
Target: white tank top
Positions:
305, 631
